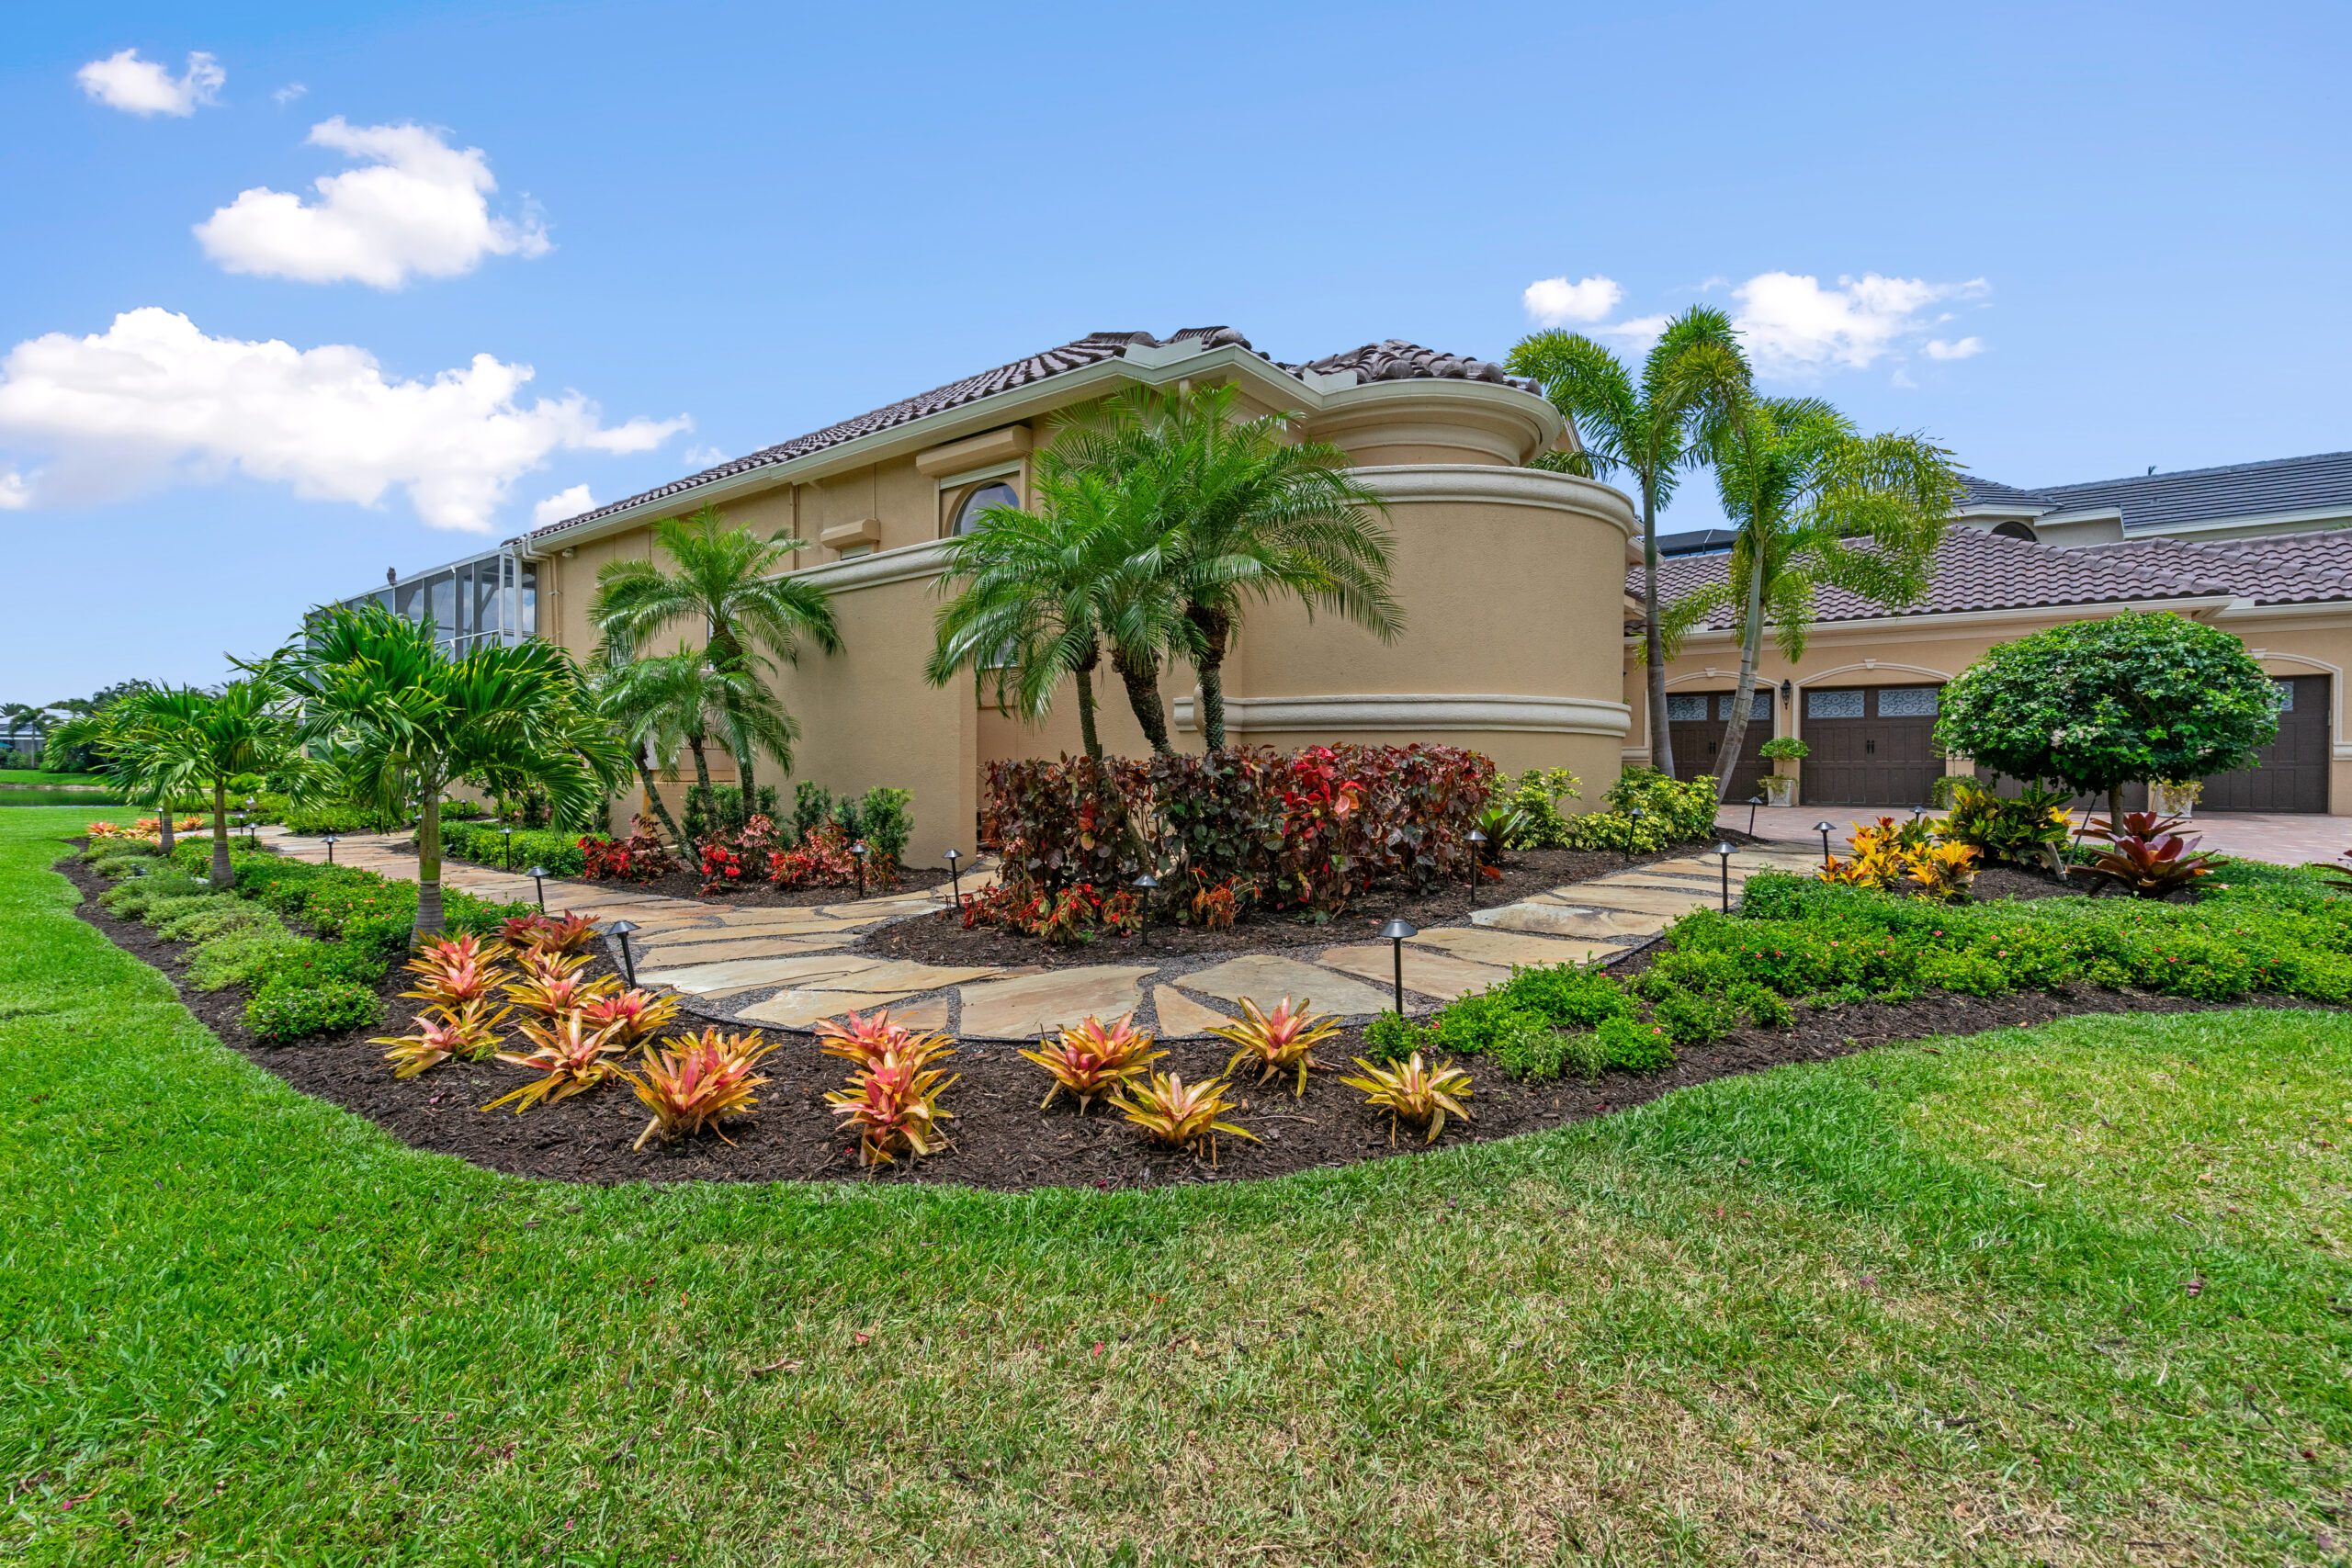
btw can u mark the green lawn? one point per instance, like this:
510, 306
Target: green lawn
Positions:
2077, 1293
38, 776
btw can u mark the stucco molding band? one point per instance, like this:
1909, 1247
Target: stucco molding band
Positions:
1488, 484
1443, 711
926, 559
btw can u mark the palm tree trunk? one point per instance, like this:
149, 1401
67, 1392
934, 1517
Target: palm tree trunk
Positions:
1751, 646
428, 871
1653, 643
702, 763
164, 841
1088, 734
1217, 630
1142, 682
221, 875
653, 798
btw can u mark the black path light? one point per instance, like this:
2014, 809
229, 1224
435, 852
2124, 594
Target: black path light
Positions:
1634, 821
1145, 886
236, 821
1397, 931
955, 875
1825, 829
629, 963
858, 852
1477, 852
330, 849
506, 836
1724, 853
1753, 802
538, 876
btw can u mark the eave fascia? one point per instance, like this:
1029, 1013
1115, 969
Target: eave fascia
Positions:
1947, 619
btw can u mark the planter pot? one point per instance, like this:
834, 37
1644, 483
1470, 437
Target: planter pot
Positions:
1779, 791
2166, 803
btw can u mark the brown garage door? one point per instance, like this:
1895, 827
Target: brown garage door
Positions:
1695, 723
2290, 774
1870, 745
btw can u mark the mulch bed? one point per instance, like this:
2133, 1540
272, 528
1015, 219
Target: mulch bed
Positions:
682, 883
1002, 1140
940, 939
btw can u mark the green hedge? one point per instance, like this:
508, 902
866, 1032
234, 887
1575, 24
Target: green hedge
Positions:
481, 843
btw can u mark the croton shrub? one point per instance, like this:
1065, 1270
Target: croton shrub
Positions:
1306, 832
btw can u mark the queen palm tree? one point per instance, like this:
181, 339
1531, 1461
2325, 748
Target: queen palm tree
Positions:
1243, 514
408, 719
730, 583
1648, 430
165, 740
1813, 504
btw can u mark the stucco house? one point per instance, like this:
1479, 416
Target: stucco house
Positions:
2261, 549
1515, 583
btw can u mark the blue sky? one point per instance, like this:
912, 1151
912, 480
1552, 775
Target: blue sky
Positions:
2125, 228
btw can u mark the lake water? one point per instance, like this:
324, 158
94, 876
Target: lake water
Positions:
35, 795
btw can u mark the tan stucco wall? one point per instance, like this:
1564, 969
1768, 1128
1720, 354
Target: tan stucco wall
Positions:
1934, 649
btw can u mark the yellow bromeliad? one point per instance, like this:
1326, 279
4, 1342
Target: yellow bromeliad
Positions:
1413, 1091
1089, 1059
1278, 1040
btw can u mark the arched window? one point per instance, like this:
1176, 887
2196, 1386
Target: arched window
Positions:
2017, 531
980, 498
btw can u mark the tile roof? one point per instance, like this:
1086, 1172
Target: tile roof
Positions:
1392, 360
1973, 571
2320, 482
2268, 568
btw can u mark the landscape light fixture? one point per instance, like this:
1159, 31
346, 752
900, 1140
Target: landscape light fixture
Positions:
1397, 931
1724, 853
629, 963
237, 821
1477, 852
1917, 812
956, 876
1633, 826
330, 843
1824, 829
1753, 802
506, 834
538, 875
1145, 886
857, 851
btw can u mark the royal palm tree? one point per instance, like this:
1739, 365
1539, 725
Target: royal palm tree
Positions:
729, 584
1243, 514
408, 719
1647, 430
1813, 504
165, 740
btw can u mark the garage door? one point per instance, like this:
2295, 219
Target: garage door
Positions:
1870, 745
1695, 723
2291, 772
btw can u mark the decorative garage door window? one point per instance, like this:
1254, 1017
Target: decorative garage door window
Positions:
1845, 704
1684, 710
1759, 708
2285, 691
1907, 701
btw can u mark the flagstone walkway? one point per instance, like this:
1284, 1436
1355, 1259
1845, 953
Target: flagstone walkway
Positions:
787, 967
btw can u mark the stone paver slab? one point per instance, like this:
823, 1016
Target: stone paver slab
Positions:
1569, 920
803, 1009
1505, 948
1266, 978
703, 979
1182, 1018
677, 952
1439, 975
1640, 900
1034, 1004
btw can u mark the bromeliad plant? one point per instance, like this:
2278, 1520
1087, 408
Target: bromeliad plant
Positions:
568, 1054
469, 1029
548, 933
1089, 1060
864, 1039
1278, 1041
634, 1016
456, 970
693, 1084
553, 985
893, 1104
2156, 864
1413, 1091
1178, 1115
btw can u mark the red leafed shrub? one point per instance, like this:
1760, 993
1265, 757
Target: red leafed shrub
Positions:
721, 867
823, 859
1066, 918
638, 858
1308, 830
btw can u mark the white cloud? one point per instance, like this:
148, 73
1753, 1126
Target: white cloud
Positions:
419, 207
14, 494
1555, 301
1966, 348
152, 401
125, 81
1795, 328
562, 504
288, 93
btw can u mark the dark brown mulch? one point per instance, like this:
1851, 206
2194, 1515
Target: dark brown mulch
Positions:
1002, 1140
940, 939
685, 884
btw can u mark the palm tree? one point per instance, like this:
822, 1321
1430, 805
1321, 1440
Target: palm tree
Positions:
165, 740
641, 727
681, 700
1649, 430
1246, 513
1814, 505
410, 719
731, 582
